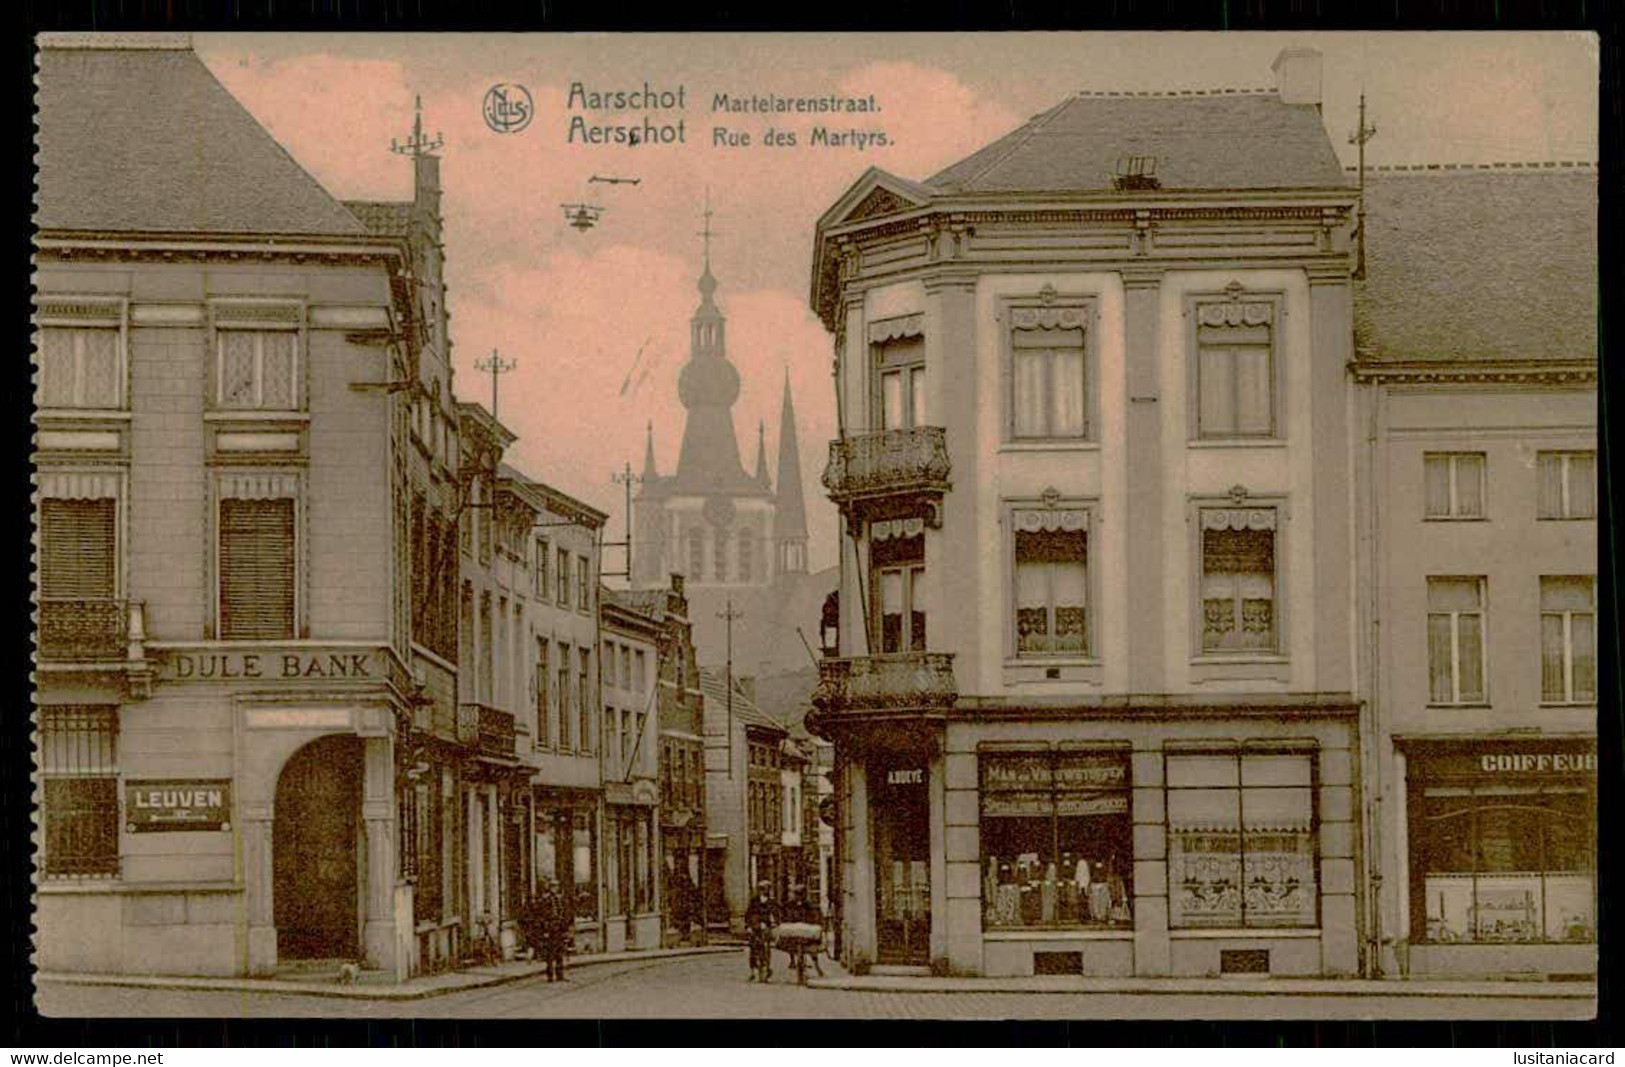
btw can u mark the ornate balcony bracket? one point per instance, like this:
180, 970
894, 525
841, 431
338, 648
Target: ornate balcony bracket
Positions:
909, 685
890, 473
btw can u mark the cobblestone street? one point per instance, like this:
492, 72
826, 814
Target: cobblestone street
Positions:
715, 986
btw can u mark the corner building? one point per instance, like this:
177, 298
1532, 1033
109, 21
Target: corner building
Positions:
1094, 705
224, 632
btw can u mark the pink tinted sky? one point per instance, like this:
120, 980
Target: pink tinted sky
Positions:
573, 308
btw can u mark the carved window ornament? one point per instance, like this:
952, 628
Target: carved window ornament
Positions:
1047, 318
1047, 294
896, 329
895, 529
1050, 520
1236, 311
1238, 518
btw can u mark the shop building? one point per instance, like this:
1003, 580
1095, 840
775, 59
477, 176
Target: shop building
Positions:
744, 797
557, 640
1477, 481
631, 767
680, 720
1092, 381
224, 642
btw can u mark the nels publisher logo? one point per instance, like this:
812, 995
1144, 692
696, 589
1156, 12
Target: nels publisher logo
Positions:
508, 107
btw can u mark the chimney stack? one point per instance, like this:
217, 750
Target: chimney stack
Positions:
1297, 76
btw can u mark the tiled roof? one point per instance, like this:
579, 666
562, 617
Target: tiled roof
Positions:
714, 686
650, 602
386, 218
146, 140
1220, 141
1479, 263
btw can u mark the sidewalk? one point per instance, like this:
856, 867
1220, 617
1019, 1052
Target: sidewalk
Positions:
370, 988
1258, 987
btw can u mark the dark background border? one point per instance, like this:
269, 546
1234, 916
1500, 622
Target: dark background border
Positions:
28, 1029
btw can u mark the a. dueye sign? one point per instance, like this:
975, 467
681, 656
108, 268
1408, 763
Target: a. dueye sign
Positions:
177, 804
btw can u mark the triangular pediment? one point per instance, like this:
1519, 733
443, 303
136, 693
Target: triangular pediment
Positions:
876, 195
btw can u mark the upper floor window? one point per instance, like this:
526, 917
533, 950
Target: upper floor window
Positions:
544, 568
81, 366
897, 557
899, 367
78, 548
258, 557
1568, 640
1456, 640
626, 667
258, 369
1048, 374
1238, 580
564, 578
583, 581
1568, 485
584, 701
1051, 581
640, 679
1455, 485
544, 703
566, 719
1235, 368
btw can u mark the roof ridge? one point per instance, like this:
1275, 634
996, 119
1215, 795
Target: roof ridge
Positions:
1530, 164
1030, 128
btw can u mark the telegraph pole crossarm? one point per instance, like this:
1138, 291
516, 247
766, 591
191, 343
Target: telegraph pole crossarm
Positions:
495, 366
1358, 138
626, 478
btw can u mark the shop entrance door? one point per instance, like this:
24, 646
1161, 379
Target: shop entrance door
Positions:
314, 838
901, 813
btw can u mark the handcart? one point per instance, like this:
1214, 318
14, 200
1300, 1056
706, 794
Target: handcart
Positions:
799, 941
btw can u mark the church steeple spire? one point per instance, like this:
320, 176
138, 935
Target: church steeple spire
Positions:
790, 532
708, 387
761, 454
650, 474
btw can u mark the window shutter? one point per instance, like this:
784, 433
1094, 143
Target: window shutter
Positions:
256, 569
76, 549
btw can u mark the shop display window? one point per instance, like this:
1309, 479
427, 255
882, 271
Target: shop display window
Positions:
586, 880
1057, 840
1241, 840
1505, 863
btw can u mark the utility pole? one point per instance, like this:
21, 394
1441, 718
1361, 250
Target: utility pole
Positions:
729, 615
628, 479
495, 366
1359, 137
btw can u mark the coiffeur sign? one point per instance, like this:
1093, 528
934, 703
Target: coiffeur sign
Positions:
177, 804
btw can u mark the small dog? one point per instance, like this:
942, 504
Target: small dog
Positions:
348, 973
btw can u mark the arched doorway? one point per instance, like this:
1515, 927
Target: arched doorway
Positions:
315, 854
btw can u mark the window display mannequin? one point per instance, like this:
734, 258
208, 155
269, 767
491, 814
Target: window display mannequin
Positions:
1049, 894
1068, 889
1007, 910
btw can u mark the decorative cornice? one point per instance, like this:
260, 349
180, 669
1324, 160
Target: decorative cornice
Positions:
1469, 372
882, 330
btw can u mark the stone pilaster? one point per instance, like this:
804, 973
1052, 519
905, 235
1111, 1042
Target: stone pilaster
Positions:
1142, 293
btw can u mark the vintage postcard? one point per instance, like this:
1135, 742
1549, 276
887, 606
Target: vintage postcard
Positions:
843, 525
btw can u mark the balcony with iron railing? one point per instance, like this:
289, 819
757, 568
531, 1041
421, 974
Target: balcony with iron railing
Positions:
491, 731
95, 632
866, 468
898, 685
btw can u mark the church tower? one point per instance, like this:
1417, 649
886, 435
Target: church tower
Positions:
711, 520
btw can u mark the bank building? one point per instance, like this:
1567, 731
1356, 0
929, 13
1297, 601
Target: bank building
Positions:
1097, 380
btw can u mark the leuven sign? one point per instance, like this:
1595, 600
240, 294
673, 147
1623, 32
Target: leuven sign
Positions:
177, 804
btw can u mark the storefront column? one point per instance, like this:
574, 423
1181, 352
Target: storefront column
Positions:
1152, 955
1339, 912
257, 881
378, 822
938, 801
861, 916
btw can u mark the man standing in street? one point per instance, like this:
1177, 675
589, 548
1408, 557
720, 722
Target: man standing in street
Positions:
761, 915
552, 923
